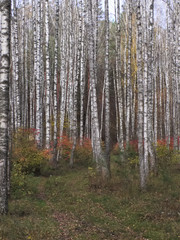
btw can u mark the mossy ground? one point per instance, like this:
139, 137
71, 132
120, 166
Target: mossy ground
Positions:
74, 205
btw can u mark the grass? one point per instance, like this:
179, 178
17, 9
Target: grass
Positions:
70, 205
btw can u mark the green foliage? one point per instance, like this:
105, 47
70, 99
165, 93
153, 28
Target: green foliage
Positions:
166, 157
128, 157
131, 156
83, 153
26, 157
18, 179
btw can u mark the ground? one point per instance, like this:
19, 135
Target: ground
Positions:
74, 205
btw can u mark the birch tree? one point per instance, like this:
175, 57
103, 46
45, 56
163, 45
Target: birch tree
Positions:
118, 78
151, 70
4, 101
82, 69
55, 99
107, 95
143, 177
16, 77
145, 85
48, 126
129, 84
102, 164
38, 78
63, 71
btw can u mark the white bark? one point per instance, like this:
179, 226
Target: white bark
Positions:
17, 104
63, 72
145, 94
38, 77
107, 86
4, 103
102, 165
118, 78
82, 73
48, 126
129, 84
140, 97
151, 70
56, 71
167, 76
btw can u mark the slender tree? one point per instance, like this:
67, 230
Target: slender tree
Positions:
38, 78
4, 101
129, 84
151, 80
48, 126
107, 84
102, 164
140, 96
118, 78
55, 99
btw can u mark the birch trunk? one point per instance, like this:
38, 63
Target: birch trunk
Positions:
33, 84
129, 85
55, 113
23, 80
76, 82
102, 165
167, 126
4, 103
118, 78
16, 71
63, 72
178, 66
38, 81
140, 97
48, 126
82, 73
146, 170
107, 84
151, 70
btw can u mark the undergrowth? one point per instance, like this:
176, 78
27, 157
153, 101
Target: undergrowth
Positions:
75, 204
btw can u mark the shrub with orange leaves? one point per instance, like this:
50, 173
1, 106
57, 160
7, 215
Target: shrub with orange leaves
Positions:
163, 142
25, 154
64, 144
116, 149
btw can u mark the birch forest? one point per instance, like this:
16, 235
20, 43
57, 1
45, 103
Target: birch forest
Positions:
91, 84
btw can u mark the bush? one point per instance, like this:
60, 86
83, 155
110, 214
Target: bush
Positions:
26, 157
127, 157
116, 149
166, 157
18, 179
83, 153
64, 145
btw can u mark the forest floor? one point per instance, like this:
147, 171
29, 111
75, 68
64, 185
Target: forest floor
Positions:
73, 204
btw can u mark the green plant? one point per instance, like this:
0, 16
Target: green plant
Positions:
26, 157
18, 180
128, 157
83, 153
166, 157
